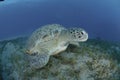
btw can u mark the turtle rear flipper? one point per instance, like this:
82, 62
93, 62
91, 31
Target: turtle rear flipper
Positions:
37, 61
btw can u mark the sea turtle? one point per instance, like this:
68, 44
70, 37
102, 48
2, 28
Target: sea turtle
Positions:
50, 40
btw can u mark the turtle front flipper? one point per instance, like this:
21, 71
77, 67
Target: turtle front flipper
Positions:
75, 43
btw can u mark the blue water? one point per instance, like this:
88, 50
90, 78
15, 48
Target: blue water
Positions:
100, 18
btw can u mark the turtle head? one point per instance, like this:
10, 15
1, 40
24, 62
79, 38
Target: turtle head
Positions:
78, 34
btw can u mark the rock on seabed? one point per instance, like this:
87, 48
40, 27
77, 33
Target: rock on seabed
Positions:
93, 60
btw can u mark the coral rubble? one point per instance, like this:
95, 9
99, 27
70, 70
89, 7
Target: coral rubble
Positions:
93, 60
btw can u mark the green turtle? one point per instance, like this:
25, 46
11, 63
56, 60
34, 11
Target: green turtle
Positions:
50, 40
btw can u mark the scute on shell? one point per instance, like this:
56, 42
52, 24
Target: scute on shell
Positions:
45, 33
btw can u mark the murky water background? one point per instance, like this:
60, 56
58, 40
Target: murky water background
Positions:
100, 18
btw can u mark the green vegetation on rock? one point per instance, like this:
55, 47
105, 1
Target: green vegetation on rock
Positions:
93, 60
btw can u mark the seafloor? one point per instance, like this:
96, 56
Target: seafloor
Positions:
94, 60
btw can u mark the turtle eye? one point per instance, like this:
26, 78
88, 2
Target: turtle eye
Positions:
82, 33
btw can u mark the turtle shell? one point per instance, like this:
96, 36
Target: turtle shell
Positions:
44, 34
